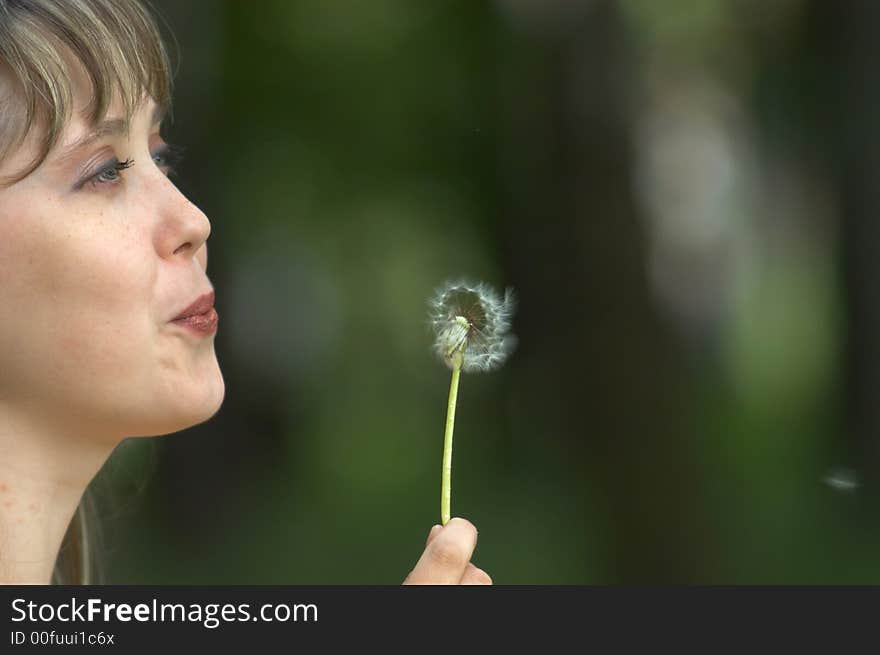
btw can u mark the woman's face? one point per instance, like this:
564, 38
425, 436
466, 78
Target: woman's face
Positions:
94, 264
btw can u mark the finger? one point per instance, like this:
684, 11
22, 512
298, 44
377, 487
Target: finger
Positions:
475, 576
435, 530
433, 533
446, 557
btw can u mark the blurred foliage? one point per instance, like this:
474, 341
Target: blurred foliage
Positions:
663, 185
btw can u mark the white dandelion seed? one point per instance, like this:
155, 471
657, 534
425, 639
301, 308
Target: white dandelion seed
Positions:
842, 479
473, 320
471, 325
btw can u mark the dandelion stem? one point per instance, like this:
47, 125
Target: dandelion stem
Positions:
446, 478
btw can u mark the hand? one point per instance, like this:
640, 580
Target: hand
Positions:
447, 555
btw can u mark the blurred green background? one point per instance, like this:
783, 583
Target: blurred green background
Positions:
684, 196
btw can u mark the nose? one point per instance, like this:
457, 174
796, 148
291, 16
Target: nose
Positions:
183, 228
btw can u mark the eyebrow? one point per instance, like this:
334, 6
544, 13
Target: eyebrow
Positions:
113, 127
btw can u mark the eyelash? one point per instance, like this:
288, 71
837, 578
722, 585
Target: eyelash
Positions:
172, 155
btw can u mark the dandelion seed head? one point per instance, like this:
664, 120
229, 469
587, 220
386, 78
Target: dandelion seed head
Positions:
472, 319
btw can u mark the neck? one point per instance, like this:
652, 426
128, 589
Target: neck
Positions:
44, 471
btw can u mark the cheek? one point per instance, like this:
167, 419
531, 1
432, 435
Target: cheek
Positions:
105, 300
105, 274
76, 299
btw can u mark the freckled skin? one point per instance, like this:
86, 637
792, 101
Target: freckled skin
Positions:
91, 278
93, 267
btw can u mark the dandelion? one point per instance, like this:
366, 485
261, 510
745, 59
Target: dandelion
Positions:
470, 323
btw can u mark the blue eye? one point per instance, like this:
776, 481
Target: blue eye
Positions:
168, 156
108, 174
101, 176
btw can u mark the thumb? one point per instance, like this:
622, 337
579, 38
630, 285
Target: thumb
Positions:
433, 533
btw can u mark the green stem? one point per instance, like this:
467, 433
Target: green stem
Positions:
446, 478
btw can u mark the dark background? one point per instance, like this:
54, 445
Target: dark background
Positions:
684, 196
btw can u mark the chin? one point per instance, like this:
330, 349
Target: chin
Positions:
207, 402
182, 407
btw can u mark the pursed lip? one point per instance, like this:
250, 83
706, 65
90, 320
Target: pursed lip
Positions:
201, 305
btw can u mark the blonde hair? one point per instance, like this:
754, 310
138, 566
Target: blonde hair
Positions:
77, 561
118, 44
120, 47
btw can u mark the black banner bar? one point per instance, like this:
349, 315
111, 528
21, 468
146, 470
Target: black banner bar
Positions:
129, 619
